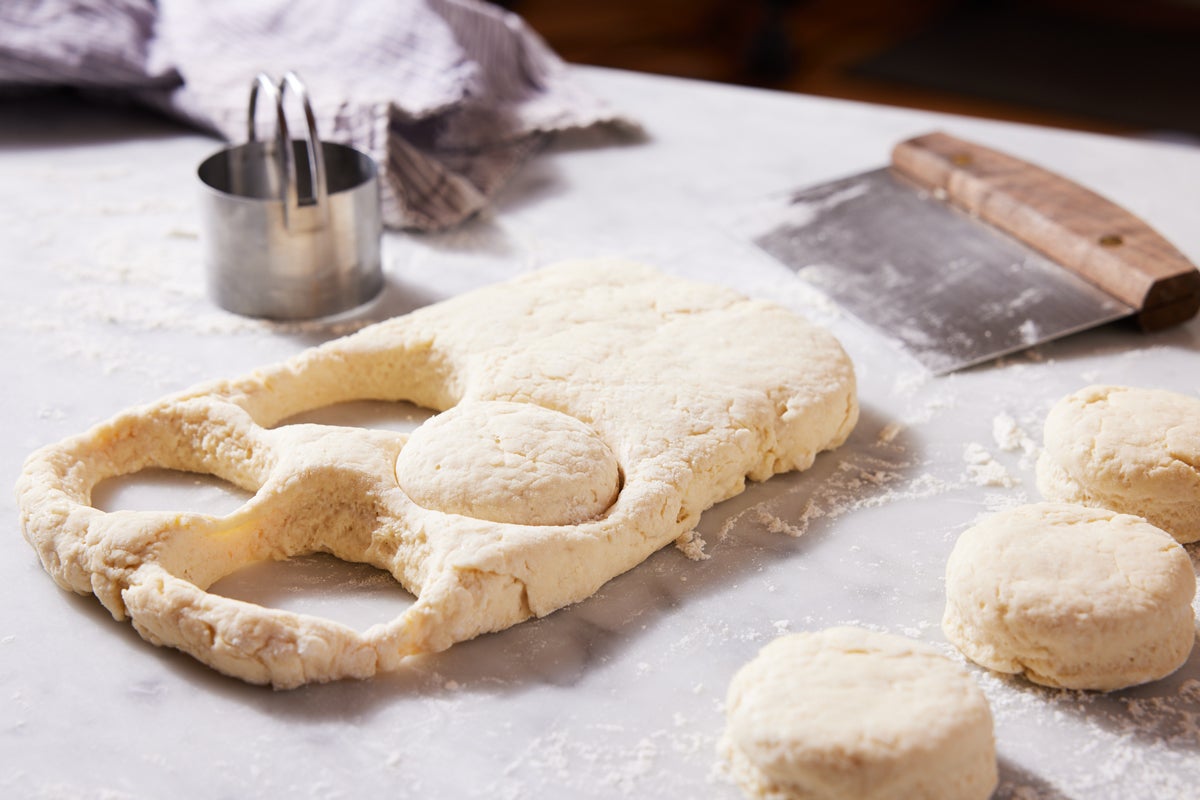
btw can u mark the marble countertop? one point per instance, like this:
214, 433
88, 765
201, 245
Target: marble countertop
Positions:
103, 307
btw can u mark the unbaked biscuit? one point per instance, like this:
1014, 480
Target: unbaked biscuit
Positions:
849, 714
1136, 451
509, 462
1071, 596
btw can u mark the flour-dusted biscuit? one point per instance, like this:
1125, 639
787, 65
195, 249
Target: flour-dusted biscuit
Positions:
1071, 596
534, 466
850, 714
1131, 450
595, 409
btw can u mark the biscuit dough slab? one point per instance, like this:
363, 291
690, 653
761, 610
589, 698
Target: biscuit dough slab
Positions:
601, 407
850, 714
1071, 596
1132, 450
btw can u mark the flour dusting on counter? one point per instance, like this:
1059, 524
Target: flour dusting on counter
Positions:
1151, 741
629, 763
860, 480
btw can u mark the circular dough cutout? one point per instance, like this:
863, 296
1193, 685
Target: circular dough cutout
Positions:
1071, 596
849, 713
509, 462
1136, 451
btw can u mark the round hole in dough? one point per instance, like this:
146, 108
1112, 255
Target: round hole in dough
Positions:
1131, 450
849, 713
509, 462
1071, 596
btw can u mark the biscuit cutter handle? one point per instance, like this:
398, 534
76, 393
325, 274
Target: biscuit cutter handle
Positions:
289, 187
1077, 228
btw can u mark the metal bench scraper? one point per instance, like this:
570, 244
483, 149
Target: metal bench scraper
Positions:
963, 254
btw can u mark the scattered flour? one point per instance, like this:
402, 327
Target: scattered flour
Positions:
1029, 332
775, 524
55, 413
1150, 742
909, 382
1012, 438
984, 470
1009, 436
565, 762
999, 501
860, 480
932, 407
153, 285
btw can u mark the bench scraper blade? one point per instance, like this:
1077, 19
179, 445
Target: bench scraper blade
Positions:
963, 254
951, 290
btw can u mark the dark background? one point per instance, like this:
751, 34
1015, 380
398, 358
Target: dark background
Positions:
1113, 66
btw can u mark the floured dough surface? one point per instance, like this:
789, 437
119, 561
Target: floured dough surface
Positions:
590, 412
851, 714
1071, 596
1132, 450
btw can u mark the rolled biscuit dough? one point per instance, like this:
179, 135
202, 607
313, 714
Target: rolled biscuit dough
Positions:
850, 714
1132, 450
1071, 596
592, 411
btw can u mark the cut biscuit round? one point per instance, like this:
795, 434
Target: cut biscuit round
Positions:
849, 713
1071, 596
509, 462
1132, 450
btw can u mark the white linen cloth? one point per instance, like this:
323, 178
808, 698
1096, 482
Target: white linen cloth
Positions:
448, 96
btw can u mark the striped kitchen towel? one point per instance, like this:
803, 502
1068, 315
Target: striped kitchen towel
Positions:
449, 97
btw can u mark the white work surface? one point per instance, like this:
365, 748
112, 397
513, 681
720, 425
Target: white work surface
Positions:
103, 307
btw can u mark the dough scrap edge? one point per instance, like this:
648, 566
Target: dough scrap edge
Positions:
118, 556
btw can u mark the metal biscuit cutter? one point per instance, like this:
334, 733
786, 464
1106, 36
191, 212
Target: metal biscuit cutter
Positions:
292, 228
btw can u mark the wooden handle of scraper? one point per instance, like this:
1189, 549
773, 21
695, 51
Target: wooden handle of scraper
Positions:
1089, 235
